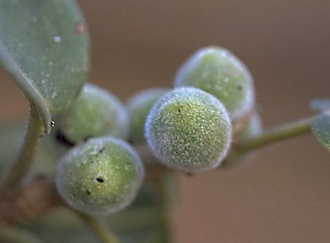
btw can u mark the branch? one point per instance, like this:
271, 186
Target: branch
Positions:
30, 201
272, 136
18, 168
103, 233
277, 134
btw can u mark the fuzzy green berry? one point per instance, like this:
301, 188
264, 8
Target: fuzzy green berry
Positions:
220, 73
138, 108
100, 177
189, 130
95, 113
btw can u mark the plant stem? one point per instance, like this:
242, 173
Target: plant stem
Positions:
165, 182
274, 135
18, 168
103, 233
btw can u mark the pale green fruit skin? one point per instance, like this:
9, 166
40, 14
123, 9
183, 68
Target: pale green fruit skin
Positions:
220, 73
95, 113
138, 108
189, 130
100, 177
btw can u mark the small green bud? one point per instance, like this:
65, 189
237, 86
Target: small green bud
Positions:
220, 73
189, 130
100, 177
138, 108
94, 113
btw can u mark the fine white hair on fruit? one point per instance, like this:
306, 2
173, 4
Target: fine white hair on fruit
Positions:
96, 112
219, 72
138, 108
189, 130
100, 177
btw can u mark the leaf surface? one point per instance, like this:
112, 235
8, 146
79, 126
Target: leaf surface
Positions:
321, 129
320, 105
44, 46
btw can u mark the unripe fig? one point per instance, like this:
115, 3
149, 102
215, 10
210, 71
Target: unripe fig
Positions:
99, 177
138, 109
189, 130
95, 113
220, 73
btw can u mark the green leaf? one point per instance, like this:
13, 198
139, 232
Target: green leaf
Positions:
16, 235
141, 222
44, 45
57, 233
321, 129
320, 105
61, 225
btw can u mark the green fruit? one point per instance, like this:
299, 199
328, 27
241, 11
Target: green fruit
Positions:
100, 177
189, 130
138, 109
220, 73
95, 113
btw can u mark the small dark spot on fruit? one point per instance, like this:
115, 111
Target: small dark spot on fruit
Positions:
180, 108
100, 179
87, 137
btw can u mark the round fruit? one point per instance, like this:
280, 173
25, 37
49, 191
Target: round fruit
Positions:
138, 108
95, 113
220, 73
100, 176
189, 130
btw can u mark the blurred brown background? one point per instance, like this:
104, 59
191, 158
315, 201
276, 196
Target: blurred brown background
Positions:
284, 194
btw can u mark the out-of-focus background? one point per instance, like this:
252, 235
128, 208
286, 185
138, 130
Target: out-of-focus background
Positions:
283, 195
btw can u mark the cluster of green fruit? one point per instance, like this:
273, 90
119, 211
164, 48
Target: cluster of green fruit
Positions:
189, 128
